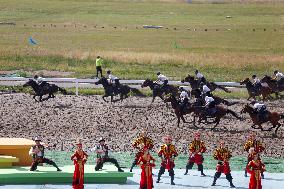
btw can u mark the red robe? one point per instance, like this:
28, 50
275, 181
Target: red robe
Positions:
78, 177
196, 147
146, 163
255, 168
168, 152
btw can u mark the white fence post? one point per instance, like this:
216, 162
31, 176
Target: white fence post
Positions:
76, 84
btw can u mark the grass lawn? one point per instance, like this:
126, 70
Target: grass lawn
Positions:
71, 33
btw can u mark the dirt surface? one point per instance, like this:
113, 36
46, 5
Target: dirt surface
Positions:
62, 120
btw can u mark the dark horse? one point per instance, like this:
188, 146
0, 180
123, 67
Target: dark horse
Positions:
111, 90
175, 105
273, 84
158, 91
211, 85
273, 118
264, 91
220, 112
49, 89
197, 94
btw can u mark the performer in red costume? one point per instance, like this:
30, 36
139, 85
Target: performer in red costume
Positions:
139, 144
79, 158
146, 161
196, 150
255, 167
222, 154
256, 145
167, 153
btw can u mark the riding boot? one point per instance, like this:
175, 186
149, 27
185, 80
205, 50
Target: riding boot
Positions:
262, 175
118, 167
246, 174
159, 178
54, 165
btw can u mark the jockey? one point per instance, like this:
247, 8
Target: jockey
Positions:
210, 105
39, 81
199, 77
162, 80
113, 80
261, 110
279, 77
256, 83
184, 98
205, 91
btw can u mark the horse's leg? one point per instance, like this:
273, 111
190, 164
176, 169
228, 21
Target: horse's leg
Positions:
183, 119
275, 133
178, 120
104, 98
40, 98
217, 120
34, 97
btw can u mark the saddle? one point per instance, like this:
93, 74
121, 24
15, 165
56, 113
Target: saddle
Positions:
210, 112
262, 116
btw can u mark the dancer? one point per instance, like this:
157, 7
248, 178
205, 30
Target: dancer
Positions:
223, 155
255, 167
146, 161
79, 158
37, 152
102, 156
196, 150
140, 143
167, 153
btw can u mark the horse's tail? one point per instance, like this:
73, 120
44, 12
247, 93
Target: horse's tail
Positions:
234, 114
226, 102
136, 92
223, 88
63, 91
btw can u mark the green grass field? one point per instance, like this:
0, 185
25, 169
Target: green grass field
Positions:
233, 52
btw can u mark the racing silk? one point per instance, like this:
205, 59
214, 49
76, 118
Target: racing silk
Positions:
257, 106
199, 75
205, 89
279, 75
183, 95
141, 142
257, 145
112, 78
256, 81
38, 80
162, 78
208, 100
222, 154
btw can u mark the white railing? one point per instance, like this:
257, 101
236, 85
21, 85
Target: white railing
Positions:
77, 81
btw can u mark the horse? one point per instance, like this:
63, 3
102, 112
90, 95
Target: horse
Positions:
49, 89
157, 91
219, 113
122, 90
197, 94
265, 91
273, 84
211, 85
273, 118
175, 105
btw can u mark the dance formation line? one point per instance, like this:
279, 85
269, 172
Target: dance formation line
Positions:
167, 152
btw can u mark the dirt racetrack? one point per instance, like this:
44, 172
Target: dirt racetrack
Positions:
62, 120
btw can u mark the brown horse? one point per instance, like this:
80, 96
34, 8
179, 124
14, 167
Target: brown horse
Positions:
158, 91
221, 111
272, 83
211, 85
265, 91
273, 118
175, 105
